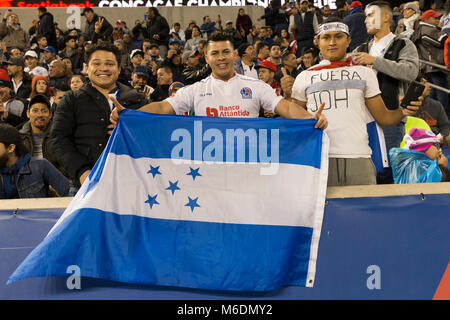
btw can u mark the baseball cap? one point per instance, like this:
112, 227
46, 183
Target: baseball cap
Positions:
267, 64
430, 13
228, 22
39, 98
5, 81
303, 1
411, 5
31, 53
15, 61
39, 71
356, 4
175, 85
86, 9
50, 49
173, 40
135, 52
142, 71
153, 45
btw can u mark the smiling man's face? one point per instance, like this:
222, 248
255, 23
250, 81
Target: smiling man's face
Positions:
103, 69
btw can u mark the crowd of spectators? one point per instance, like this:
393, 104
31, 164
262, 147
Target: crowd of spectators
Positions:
48, 86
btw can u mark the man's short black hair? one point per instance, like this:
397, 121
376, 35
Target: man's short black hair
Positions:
275, 44
313, 50
381, 4
103, 46
340, 4
334, 19
219, 36
42, 9
286, 54
260, 46
40, 36
10, 135
68, 37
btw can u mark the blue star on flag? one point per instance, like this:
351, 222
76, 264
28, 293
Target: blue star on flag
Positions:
194, 173
192, 203
173, 187
152, 200
154, 170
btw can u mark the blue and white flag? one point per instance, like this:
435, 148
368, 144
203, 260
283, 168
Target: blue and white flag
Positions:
212, 203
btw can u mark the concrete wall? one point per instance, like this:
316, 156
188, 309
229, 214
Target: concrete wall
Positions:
382, 190
183, 15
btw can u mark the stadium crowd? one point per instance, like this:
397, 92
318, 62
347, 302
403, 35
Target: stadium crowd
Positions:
59, 87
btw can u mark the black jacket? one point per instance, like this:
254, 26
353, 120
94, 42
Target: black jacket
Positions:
105, 31
79, 132
27, 138
76, 57
47, 28
23, 93
158, 25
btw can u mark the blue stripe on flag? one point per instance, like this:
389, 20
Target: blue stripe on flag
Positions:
294, 137
374, 143
173, 253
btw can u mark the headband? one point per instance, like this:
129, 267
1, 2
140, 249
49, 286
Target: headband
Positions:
333, 26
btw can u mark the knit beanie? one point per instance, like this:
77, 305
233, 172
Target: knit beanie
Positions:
36, 78
420, 140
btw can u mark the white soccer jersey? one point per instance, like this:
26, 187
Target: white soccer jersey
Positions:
239, 97
344, 91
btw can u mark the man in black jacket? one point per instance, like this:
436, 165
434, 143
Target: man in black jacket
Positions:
80, 126
20, 81
47, 27
158, 30
106, 28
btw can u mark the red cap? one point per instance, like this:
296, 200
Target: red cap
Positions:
430, 13
356, 4
4, 78
267, 64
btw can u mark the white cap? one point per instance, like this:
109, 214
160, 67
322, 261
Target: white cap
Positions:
135, 52
31, 53
39, 71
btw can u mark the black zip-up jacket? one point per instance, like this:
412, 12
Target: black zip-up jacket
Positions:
47, 28
79, 132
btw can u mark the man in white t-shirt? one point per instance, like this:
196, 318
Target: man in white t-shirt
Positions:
225, 93
352, 96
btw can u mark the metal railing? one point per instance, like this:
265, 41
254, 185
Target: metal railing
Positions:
441, 67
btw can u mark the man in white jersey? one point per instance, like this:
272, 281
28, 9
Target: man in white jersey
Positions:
225, 93
351, 95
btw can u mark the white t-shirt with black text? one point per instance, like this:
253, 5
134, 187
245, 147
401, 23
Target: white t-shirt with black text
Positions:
344, 91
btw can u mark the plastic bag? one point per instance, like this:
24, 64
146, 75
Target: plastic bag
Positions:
409, 166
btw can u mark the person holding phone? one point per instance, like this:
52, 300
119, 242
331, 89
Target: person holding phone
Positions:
12, 34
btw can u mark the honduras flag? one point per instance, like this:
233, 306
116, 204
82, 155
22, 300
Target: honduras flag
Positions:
199, 202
